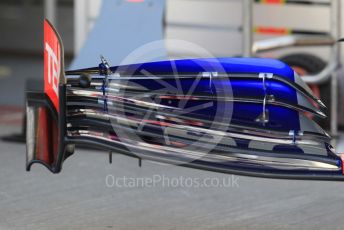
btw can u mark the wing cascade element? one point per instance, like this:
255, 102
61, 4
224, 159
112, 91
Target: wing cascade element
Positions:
244, 116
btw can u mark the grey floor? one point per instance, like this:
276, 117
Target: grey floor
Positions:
79, 197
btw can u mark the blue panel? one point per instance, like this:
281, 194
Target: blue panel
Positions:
244, 114
239, 88
122, 27
228, 65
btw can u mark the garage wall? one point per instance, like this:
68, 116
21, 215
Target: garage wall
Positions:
213, 24
22, 28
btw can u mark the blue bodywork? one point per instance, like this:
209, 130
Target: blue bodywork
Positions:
228, 65
244, 114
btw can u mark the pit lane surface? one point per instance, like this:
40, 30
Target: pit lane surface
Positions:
81, 198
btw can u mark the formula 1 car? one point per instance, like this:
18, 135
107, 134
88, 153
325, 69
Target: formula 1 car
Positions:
244, 116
